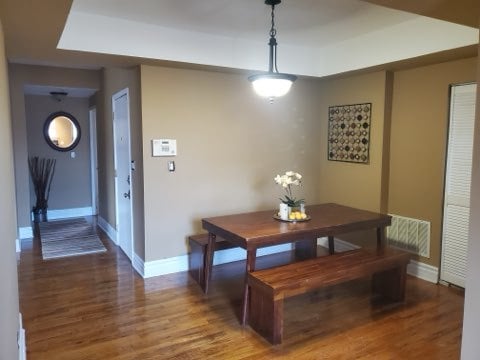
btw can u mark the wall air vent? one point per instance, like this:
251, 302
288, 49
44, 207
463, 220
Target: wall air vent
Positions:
408, 234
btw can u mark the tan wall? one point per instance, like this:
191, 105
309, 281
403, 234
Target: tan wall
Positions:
351, 184
231, 144
358, 185
21, 75
115, 80
71, 185
8, 264
418, 143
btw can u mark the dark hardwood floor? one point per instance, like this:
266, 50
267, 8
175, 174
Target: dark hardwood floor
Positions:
97, 307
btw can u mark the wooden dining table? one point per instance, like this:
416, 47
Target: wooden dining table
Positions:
258, 229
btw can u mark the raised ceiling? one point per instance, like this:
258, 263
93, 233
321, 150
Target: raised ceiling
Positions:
316, 37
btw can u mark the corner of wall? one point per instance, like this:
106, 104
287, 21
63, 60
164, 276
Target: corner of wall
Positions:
387, 128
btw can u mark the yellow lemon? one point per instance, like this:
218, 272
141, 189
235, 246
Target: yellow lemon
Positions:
298, 216
291, 216
304, 216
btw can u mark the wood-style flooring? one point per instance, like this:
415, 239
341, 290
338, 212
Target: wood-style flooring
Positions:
97, 307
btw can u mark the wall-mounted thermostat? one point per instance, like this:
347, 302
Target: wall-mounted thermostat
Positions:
164, 147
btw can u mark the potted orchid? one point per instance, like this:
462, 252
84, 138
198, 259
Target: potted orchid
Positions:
287, 180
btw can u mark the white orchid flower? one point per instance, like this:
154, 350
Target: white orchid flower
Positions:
286, 180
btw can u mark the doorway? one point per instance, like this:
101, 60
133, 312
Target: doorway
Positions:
123, 194
456, 212
93, 159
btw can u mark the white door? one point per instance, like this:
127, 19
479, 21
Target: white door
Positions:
121, 132
93, 159
456, 210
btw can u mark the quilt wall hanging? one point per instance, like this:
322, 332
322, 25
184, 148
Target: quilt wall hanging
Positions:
349, 132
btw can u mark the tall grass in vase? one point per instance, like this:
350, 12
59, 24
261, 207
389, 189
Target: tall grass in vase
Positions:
41, 173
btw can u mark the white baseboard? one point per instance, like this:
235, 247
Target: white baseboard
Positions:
69, 213
139, 265
109, 230
423, 271
180, 263
22, 348
339, 245
25, 232
414, 268
18, 247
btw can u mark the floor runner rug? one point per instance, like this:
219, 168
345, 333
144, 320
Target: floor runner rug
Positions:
70, 237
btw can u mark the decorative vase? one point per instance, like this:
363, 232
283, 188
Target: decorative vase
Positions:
284, 211
40, 215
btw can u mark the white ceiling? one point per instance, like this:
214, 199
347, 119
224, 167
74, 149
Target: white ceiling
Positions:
316, 37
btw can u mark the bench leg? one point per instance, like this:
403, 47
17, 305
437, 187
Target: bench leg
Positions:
391, 283
266, 316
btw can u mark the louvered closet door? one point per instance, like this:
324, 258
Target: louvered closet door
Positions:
457, 184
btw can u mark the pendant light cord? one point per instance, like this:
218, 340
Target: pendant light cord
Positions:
273, 43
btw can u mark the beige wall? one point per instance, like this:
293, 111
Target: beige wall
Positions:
418, 142
114, 80
363, 186
231, 144
21, 75
71, 185
8, 264
357, 185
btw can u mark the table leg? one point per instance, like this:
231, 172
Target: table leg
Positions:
331, 245
306, 249
209, 262
250, 266
380, 238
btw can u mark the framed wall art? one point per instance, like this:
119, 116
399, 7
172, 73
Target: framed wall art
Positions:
349, 132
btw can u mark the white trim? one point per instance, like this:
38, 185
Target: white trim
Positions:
92, 114
138, 264
339, 245
423, 271
180, 263
22, 348
418, 269
68, 213
18, 247
108, 229
25, 232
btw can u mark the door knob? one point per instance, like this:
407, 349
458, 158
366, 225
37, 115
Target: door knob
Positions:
127, 195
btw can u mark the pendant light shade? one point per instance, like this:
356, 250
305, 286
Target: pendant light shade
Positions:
272, 84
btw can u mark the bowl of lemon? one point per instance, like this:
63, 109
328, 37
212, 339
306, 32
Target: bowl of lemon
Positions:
294, 216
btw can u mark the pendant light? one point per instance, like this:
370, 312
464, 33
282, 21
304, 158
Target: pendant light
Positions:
272, 84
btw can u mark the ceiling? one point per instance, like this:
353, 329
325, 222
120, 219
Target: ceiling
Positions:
316, 37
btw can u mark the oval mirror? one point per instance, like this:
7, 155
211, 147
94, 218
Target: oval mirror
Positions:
62, 131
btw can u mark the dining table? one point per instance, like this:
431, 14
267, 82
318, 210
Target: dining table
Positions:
254, 230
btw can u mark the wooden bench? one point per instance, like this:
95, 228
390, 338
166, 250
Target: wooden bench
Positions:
196, 257
268, 288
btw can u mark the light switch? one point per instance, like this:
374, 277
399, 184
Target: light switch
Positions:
73, 155
171, 166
